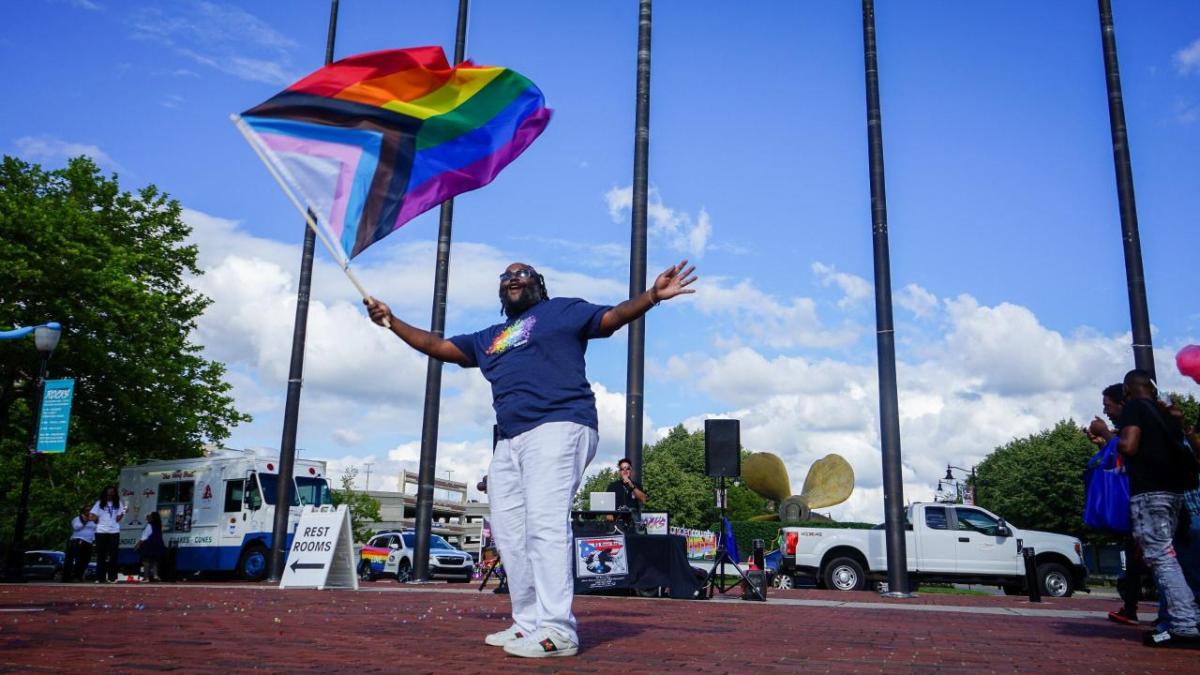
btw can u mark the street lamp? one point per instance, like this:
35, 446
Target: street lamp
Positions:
45, 338
967, 496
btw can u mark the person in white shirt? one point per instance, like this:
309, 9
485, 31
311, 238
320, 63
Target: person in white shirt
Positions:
79, 547
108, 514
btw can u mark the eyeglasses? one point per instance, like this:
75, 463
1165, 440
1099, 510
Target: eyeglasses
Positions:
523, 273
626, 468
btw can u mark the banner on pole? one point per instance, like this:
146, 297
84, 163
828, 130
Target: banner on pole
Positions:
55, 418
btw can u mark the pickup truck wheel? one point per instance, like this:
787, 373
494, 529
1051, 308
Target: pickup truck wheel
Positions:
845, 574
782, 581
1055, 580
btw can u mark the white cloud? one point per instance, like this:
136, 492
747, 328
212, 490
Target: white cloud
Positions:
677, 229
917, 300
226, 38
348, 437
48, 149
1187, 60
854, 288
995, 375
777, 323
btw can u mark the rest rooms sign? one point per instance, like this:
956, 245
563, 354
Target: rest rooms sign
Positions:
56, 416
322, 551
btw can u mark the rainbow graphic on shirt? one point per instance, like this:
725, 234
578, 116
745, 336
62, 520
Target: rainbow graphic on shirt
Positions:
513, 336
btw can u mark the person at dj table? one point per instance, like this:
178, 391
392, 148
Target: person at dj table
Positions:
630, 495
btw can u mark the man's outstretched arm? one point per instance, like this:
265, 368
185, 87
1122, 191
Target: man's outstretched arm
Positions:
421, 340
672, 282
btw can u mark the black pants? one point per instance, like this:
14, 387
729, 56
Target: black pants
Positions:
106, 556
79, 554
1129, 586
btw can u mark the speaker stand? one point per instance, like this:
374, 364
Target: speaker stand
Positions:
494, 570
714, 581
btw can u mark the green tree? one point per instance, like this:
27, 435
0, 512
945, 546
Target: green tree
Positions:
1037, 482
364, 509
1188, 405
110, 266
673, 475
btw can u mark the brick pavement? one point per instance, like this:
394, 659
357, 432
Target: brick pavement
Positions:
391, 628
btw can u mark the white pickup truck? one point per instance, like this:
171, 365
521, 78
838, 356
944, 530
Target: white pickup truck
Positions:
944, 543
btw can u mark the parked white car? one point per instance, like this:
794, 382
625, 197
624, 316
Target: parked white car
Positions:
391, 554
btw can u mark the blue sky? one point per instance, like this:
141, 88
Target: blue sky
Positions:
1006, 253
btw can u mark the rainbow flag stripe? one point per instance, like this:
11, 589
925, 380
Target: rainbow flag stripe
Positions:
373, 554
374, 140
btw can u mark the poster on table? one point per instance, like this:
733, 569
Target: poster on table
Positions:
655, 522
600, 562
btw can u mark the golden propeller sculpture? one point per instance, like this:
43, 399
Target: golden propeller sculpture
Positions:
830, 481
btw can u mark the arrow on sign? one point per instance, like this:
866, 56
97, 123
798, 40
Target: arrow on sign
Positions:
306, 566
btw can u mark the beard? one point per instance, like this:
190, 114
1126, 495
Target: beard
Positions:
529, 297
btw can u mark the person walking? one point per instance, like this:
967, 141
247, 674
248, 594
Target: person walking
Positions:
546, 415
151, 547
108, 512
1161, 469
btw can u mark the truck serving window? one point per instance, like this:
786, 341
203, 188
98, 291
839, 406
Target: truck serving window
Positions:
175, 505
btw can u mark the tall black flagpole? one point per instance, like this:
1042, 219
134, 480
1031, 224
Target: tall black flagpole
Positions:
1139, 313
885, 338
636, 362
291, 414
433, 373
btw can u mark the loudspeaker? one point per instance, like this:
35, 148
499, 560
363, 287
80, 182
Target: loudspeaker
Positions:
722, 448
757, 581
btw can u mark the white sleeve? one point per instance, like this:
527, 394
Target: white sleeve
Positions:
147, 532
76, 524
96, 510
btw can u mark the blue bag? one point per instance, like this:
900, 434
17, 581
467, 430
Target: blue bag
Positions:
1106, 506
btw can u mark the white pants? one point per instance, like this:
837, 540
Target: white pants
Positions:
531, 482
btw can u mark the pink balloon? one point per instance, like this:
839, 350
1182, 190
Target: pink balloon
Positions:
1188, 362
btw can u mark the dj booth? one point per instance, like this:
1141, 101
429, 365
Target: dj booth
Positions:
610, 554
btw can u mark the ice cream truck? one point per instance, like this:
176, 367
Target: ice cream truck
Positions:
217, 511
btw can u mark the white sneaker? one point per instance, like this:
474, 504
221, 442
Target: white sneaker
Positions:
504, 637
551, 643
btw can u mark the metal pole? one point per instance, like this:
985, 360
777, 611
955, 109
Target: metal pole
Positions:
1139, 313
13, 568
291, 408
636, 360
889, 420
433, 372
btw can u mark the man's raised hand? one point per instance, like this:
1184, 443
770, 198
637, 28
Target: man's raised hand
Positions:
675, 281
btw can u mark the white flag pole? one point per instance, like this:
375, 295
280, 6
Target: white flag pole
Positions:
276, 172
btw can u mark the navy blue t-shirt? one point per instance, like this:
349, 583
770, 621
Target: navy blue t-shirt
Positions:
535, 364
